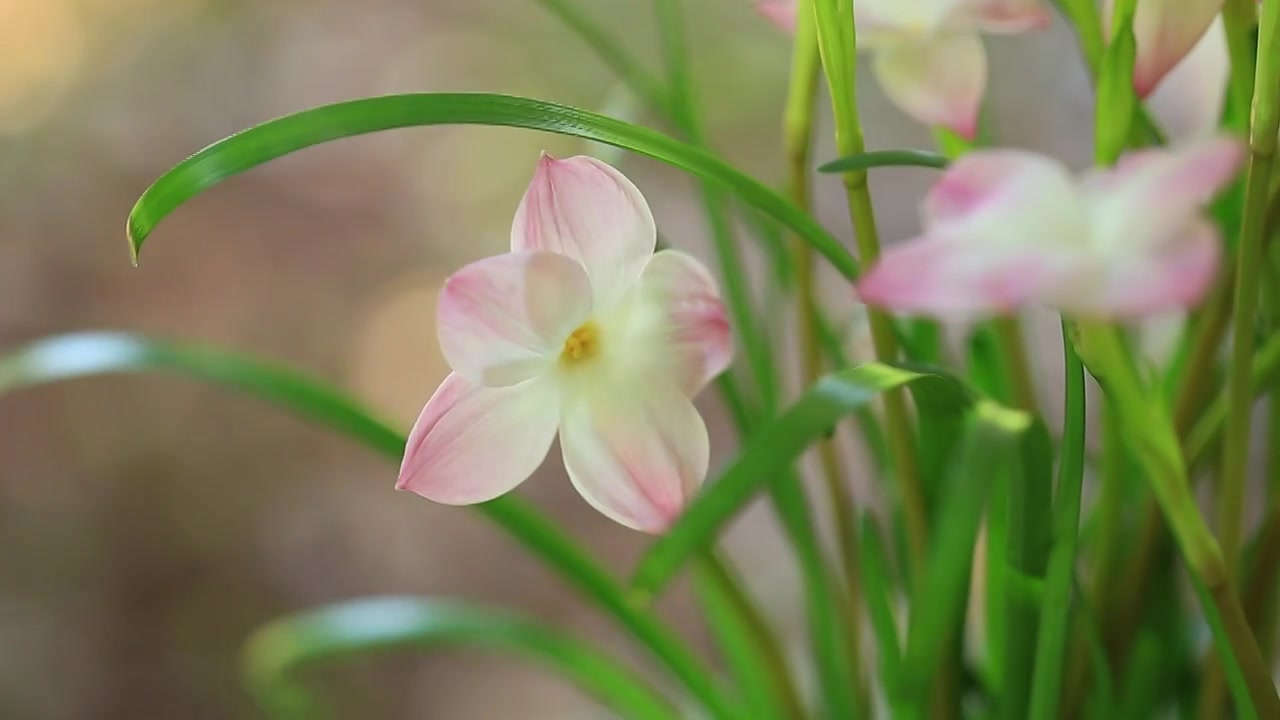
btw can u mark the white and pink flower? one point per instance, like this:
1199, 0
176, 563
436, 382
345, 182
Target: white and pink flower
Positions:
928, 54
1006, 227
580, 330
1165, 31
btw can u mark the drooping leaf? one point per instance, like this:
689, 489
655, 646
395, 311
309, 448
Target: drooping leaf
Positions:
885, 158
279, 137
76, 355
277, 654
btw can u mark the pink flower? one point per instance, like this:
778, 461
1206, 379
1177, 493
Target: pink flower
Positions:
928, 54
1165, 30
582, 330
1188, 102
1008, 227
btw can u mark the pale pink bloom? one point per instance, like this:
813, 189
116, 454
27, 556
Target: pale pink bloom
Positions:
1165, 31
1008, 227
582, 330
1188, 102
928, 54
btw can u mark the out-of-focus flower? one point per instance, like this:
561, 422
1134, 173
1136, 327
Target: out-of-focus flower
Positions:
1165, 31
1188, 102
583, 330
928, 54
1007, 227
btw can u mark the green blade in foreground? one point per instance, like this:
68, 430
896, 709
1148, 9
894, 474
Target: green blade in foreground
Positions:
776, 446
885, 158
278, 652
67, 357
279, 137
991, 445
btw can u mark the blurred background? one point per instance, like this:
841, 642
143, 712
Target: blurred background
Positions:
147, 523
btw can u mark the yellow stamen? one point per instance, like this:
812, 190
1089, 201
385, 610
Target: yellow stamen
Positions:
582, 344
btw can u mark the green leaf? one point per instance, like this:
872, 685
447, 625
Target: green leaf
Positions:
1055, 618
775, 447
877, 590
76, 355
1116, 100
990, 447
1027, 540
281, 650
885, 158
279, 137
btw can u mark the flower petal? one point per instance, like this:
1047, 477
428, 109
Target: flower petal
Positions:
1189, 101
961, 278
587, 210
999, 16
1007, 197
939, 81
1150, 196
779, 12
1143, 284
1165, 31
504, 319
472, 443
636, 456
676, 325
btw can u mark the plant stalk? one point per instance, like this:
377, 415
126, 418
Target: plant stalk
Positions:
797, 141
837, 46
1265, 121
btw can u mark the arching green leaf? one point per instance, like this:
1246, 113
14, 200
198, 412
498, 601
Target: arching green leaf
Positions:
280, 651
281, 136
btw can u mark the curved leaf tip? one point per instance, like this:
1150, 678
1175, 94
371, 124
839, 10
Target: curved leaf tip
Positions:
885, 158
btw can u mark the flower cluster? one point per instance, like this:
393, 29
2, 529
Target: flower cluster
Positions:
583, 331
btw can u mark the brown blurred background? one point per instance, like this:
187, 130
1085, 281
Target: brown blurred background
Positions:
147, 523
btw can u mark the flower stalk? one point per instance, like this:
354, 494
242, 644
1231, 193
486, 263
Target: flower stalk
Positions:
1264, 122
837, 46
797, 140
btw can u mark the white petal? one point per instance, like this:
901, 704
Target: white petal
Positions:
963, 278
1150, 196
1189, 101
504, 319
673, 327
1007, 197
937, 80
587, 210
1145, 282
1165, 31
472, 443
635, 454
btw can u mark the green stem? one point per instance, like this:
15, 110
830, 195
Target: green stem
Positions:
838, 47
1055, 615
746, 642
1197, 374
1029, 500
1155, 445
1238, 20
1265, 121
1206, 435
1008, 331
1083, 14
797, 141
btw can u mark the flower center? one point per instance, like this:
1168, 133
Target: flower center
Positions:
581, 345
